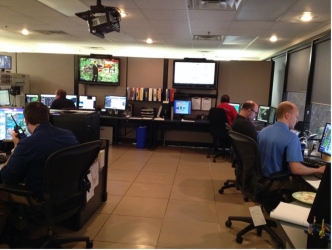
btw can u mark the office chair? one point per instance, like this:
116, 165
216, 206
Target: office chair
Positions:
65, 188
229, 183
217, 119
249, 180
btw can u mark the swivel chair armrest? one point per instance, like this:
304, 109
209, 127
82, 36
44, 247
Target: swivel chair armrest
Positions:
16, 189
279, 175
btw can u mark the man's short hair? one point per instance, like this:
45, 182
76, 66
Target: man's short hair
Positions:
283, 108
248, 105
36, 113
225, 98
62, 93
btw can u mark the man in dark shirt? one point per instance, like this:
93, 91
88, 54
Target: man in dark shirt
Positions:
243, 122
60, 101
94, 71
26, 163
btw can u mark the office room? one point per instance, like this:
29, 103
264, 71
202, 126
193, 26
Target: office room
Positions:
166, 193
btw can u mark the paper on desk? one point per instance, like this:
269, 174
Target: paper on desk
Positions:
292, 213
257, 216
91, 192
312, 180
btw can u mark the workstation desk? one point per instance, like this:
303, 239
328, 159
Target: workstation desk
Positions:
153, 127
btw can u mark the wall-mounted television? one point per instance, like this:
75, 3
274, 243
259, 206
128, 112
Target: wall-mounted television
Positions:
5, 62
99, 70
195, 74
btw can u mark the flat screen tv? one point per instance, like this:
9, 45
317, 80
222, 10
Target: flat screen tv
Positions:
195, 74
5, 62
99, 70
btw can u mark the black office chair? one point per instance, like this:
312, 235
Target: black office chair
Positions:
217, 119
229, 183
65, 189
249, 180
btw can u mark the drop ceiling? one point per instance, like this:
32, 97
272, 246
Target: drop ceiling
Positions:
219, 30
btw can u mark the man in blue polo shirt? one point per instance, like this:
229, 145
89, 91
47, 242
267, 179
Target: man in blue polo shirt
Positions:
280, 149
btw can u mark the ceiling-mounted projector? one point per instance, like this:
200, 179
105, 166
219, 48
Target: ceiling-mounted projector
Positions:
101, 19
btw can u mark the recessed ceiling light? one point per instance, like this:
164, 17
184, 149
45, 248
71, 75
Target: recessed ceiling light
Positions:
273, 38
25, 32
123, 14
306, 17
149, 40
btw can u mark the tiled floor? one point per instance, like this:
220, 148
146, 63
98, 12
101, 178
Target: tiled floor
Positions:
168, 198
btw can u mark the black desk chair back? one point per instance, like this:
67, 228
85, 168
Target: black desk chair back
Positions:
218, 119
65, 188
249, 180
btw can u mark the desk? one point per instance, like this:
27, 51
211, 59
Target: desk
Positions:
153, 127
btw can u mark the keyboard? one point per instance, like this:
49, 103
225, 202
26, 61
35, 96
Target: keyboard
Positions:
313, 163
318, 175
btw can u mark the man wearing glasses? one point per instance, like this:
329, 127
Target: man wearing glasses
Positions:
243, 122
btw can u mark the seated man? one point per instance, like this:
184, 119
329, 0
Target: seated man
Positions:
230, 110
26, 163
280, 149
61, 102
243, 122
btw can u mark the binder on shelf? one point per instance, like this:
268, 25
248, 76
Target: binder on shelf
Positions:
166, 94
141, 94
159, 91
146, 94
150, 94
154, 95
171, 95
196, 103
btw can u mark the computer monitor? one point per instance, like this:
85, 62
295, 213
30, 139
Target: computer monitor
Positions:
7, 123
272, 115
47, 99
321, 207
87, 102
4, 97
325, 143
263, 113
237, 106
115, 102
31, 98
182, 107
73, 98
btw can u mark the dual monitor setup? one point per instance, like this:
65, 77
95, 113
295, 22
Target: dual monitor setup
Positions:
85, 102
266, 114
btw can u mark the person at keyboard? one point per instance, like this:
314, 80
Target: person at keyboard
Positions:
26, 163
243, 122
280, 149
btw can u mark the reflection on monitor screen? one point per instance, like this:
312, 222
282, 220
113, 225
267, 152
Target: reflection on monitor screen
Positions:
73, 98
182, 107
47, 99
325, 144
4, 97
7, 124
31, 98
263, 113
87, 102
115, 102
236, 106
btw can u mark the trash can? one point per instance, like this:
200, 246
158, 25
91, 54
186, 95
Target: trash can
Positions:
140, 137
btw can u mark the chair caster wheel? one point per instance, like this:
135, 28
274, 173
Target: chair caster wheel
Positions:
89, 244
228, 223
221, 191
239, 240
